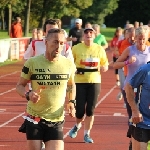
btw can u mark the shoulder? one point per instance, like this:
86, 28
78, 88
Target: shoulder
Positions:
77, 46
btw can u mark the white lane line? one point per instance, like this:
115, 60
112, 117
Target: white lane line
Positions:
2, 110
7, 91
108, 93
1, 125
9, 74
100, 101
118, 114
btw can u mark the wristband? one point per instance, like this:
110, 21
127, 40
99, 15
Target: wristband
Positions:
72, 101
27, 95
127, 62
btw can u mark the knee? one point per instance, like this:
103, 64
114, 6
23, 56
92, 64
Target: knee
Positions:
79, 115
89, 113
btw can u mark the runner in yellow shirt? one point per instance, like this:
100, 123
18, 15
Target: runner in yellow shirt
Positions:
50, 74
89, 58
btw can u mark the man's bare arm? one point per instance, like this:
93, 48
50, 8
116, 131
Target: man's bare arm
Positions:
71, 91
136, 115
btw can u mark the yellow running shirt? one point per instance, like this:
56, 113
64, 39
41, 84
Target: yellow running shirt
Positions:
89, 57
49, 79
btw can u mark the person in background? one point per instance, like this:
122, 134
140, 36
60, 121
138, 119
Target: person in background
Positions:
76, 33
34, 35
44, 117
134, 57
99, 38
39, 34
16, 28
60, 26
136, 24
88, 25
141, 24
90, 59
148, 23
113, 47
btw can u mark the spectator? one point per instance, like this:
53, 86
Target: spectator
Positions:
16, 28
75, 34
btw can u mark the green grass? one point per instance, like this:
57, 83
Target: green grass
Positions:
4, 34
7, 62
108, 32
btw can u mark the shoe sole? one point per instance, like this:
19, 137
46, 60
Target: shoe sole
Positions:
88, 142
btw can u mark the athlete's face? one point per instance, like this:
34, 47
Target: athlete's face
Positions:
141, 39
89, 35
54, 44
39, 34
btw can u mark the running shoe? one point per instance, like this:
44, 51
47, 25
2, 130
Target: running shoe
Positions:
88, 139
118, 83
73, 132
119, 96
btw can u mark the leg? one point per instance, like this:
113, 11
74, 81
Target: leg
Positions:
116, 72
92, 96
80, 108
54, 145
140, 138
138, 145
34, 134
34, 144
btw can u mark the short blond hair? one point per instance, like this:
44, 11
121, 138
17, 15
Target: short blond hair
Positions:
142, 30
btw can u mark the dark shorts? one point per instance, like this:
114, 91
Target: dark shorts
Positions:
86, 98
140, 134
114, 60
44, 130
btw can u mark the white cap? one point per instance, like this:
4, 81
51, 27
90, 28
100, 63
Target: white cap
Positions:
78, 21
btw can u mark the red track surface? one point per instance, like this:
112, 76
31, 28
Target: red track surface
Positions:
109, 129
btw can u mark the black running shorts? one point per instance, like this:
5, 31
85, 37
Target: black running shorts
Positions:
44, 130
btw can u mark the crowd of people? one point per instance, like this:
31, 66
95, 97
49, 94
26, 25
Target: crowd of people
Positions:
53, 66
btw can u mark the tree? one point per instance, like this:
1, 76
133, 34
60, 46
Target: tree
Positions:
132, 10
27, 16
99, 10
60, 8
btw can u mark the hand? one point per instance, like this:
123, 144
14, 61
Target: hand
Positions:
74, 39
71, 109
104, 68
137, 117
34, 96
132, 59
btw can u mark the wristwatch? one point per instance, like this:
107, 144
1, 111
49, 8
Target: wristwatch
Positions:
27, 95
73, 101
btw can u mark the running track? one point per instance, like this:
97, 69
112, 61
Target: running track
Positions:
109, 129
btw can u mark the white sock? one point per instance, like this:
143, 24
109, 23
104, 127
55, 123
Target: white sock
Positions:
86, 132
79, 125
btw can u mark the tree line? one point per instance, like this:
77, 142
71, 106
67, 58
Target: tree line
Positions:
131, 10
35, 12
111, 12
